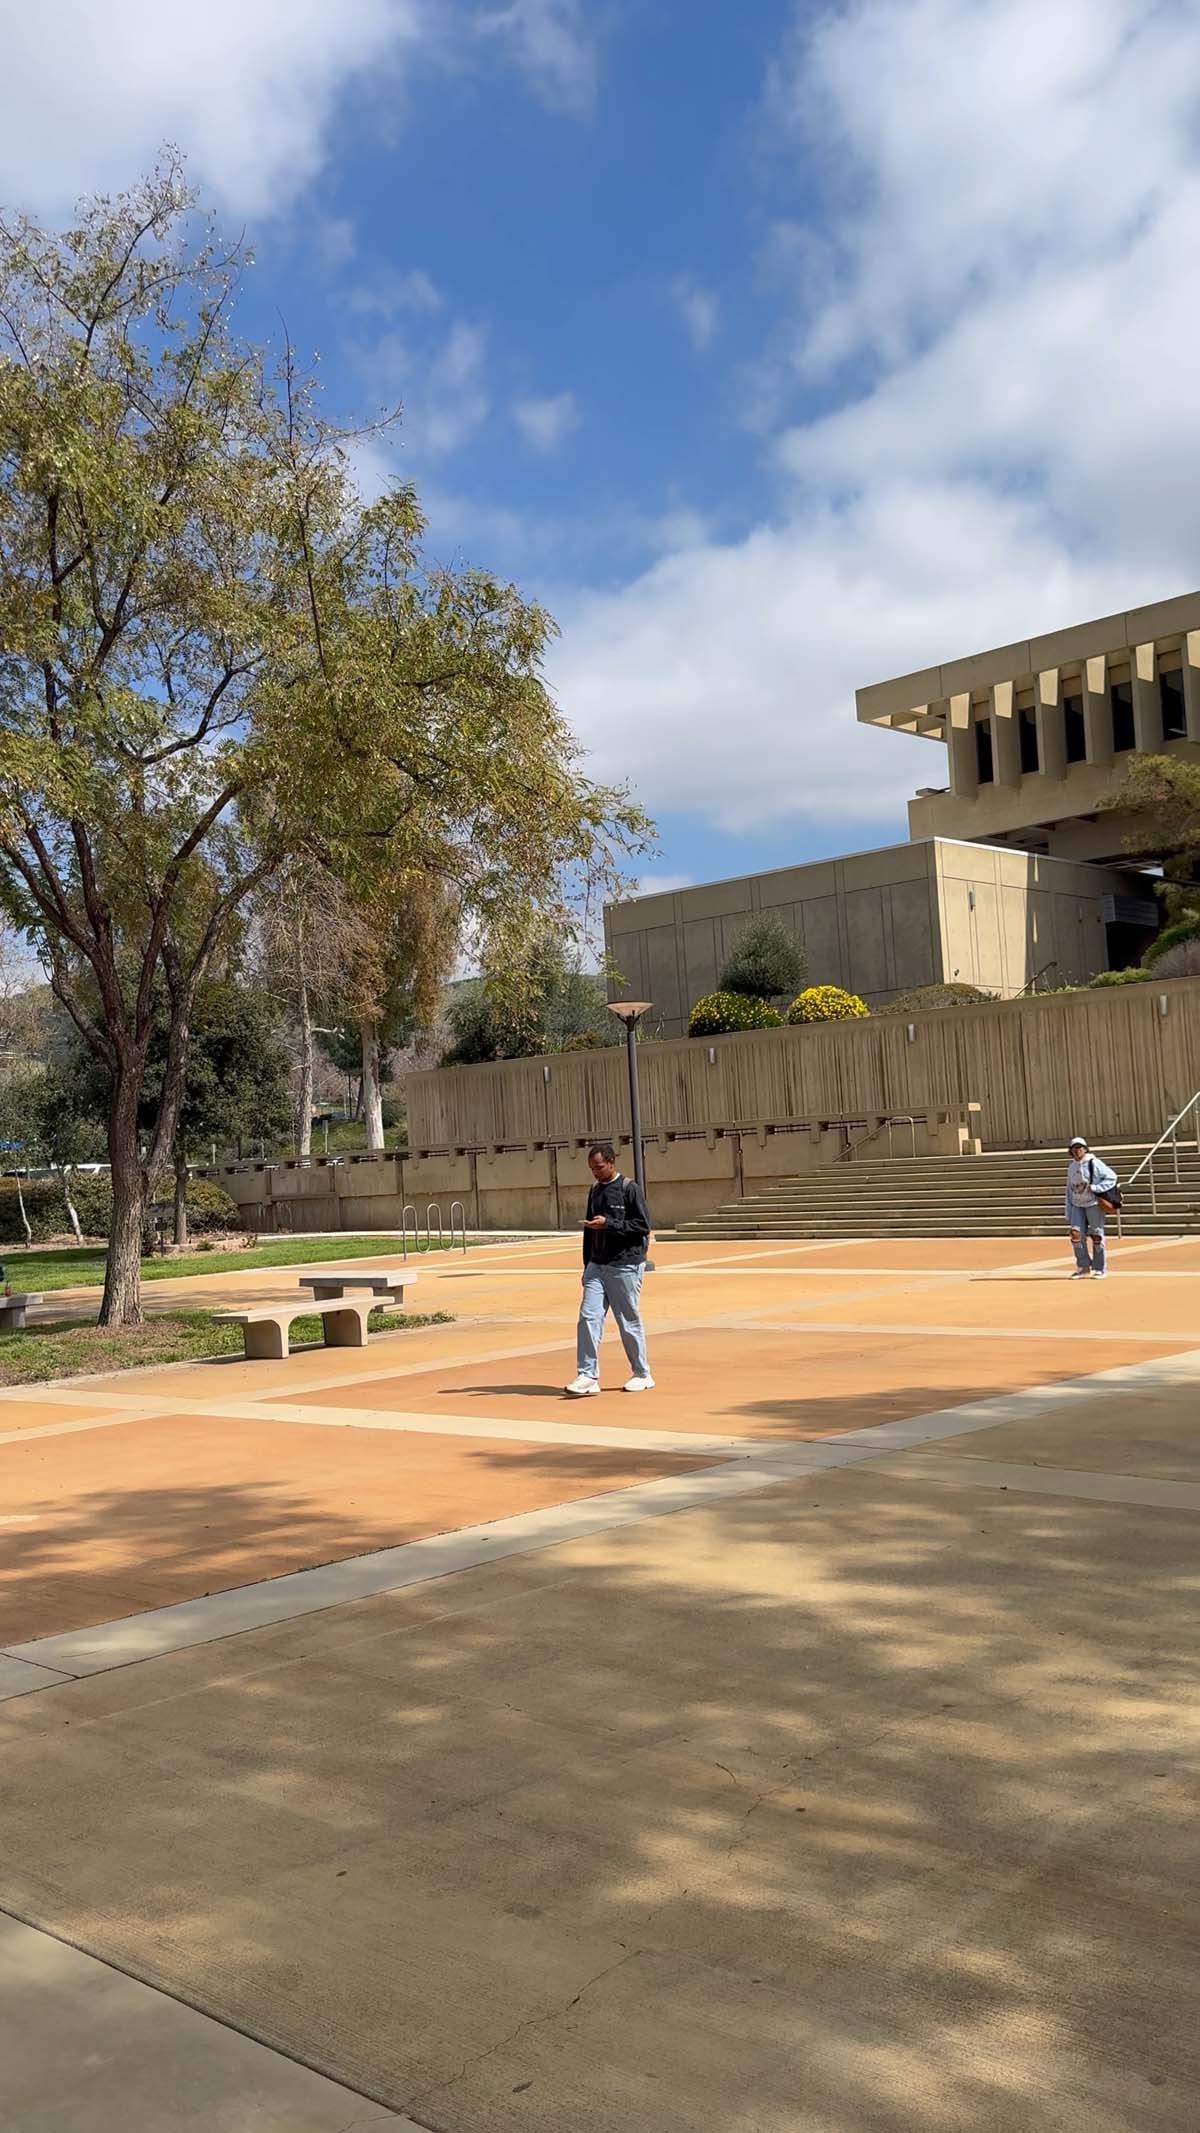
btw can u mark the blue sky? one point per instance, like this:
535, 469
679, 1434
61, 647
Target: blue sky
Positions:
776, 348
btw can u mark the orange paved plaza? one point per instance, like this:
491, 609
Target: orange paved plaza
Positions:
805, 1744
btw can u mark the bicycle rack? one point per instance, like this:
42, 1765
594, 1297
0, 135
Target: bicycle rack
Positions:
405, 1212
432, 1210
456, 1207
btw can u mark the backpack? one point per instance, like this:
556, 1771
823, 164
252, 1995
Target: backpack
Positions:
1110, 1201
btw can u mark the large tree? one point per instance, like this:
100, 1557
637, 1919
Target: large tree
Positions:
1162, 793
213, 655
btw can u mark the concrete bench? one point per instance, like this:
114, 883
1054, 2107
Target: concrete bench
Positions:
387, 1285
12, 1311
266, 1326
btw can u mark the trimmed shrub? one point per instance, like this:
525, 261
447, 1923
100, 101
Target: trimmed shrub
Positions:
826, 1003
44, 1206
1135, 976
1173, 936
766, 962
1181, 961
210, 1208
719, 1013
953, 993
93, 1205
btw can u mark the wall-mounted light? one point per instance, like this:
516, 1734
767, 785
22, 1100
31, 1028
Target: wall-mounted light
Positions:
1163, 1003
712, 1054
912, 1032
970, 899
545, 1073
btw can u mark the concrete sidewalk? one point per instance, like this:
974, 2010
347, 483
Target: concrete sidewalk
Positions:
848, 1798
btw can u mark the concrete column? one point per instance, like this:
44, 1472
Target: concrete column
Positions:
1097, 712
1147, 718
960, 736
1006, 741
1191, 683
1051, 726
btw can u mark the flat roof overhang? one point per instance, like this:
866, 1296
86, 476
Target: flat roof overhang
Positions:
921, 703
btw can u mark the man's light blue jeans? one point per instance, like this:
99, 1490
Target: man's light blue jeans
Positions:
1089, 1221
615, 1288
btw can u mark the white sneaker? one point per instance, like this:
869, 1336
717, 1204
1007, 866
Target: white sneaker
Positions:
640, 1384
1082, 1273
580, 1388
1099, 1273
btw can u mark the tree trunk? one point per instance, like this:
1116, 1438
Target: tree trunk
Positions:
72, 1212
122, 1301
372, 1094
305, 1101
24, 1217
181, 1186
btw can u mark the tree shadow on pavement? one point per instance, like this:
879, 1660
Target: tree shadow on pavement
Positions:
850, 1804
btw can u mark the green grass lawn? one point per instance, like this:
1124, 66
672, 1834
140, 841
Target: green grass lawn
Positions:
82, 1267
62, 1349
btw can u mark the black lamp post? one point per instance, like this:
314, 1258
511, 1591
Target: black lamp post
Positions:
630, 1012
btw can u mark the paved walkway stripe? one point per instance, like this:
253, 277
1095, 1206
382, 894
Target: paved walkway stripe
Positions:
203, 1621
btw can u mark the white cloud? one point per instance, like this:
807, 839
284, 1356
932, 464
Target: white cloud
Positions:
698, 308
245, 87
545, 423
551, 45
440, 386
999, 310
387, 293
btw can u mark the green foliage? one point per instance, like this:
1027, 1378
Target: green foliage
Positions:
217, 655
1162, 792
766, 962
210, 1210
923, 998
43, 1206
1185, 928
552, 1007
826, 1003
719, 1013
1135, 976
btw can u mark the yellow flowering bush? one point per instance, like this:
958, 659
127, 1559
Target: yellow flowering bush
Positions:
720, 1012
826, 1003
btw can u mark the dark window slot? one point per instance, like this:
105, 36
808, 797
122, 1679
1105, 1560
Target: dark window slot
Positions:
1030, 758
983, 751
1076, 731
1122, 711
1174, 710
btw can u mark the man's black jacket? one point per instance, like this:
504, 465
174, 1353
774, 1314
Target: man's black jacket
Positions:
626, 1234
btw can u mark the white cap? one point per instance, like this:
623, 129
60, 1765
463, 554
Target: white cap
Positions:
1077, 1141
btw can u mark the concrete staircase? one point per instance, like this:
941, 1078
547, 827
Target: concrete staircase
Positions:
1012, 1193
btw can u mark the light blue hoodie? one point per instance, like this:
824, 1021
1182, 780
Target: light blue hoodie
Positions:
1094, 1175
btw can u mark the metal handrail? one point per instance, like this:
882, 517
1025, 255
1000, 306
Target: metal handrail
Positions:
902, 1118
1170, 1132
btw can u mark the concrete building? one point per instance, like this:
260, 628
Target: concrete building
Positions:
880, 923
1038, 734
1016, 873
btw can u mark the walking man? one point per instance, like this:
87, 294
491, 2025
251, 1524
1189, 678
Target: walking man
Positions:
616, 1237
1089, 1182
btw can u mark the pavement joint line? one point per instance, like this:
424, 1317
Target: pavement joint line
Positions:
1083, 1484
136, 1638
421, 1423
254, 2054
975, 1333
